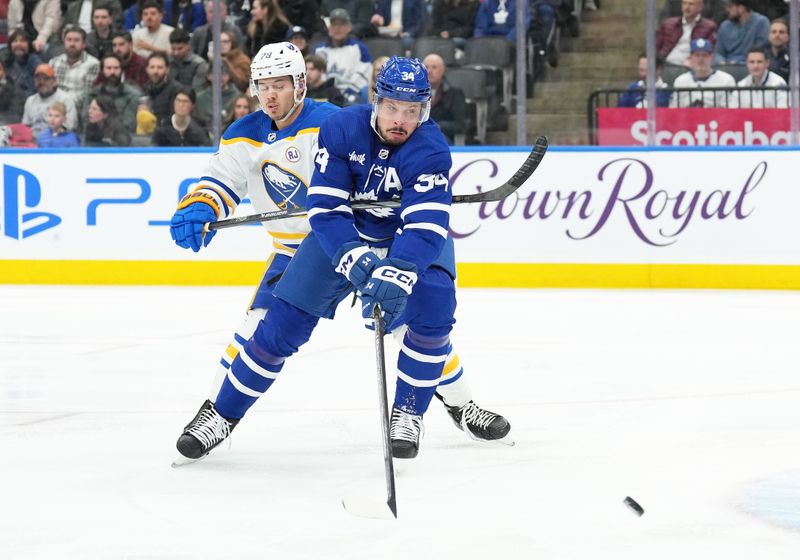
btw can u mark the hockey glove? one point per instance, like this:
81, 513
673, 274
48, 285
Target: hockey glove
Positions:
389, 286
186, 227
356, 262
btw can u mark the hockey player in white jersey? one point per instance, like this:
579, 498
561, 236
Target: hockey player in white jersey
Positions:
268, 156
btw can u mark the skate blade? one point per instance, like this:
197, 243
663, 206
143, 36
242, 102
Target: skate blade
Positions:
507, 440
183, 461
369, 508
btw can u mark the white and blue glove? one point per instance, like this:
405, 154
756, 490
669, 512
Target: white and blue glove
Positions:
389, 286
356, 262
186, 226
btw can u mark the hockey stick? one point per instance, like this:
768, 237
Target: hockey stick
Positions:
517, 180
364, 507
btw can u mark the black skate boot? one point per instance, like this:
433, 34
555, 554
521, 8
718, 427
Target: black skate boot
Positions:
206, 431
479, 424
405, 432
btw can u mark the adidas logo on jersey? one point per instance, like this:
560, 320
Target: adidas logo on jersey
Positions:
359, 158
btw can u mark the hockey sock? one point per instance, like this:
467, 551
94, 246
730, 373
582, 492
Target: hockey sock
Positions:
453, 387
419, 367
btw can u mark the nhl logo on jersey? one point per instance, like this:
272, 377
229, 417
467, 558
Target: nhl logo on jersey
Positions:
271, 137
292, 154
383, 154
285, 188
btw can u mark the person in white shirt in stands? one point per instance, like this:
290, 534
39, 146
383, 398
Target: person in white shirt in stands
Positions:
152, 36
703, 76
760, 76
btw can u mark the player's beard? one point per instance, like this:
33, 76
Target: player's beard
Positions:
394, 141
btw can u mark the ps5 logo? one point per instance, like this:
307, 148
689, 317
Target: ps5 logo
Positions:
21, 191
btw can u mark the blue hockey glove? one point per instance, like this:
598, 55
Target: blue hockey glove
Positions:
356, 262
186, 226
389, 286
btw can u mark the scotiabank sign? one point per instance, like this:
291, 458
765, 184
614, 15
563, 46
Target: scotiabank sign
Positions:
694, 127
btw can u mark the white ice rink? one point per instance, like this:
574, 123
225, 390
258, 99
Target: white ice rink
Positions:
688, 401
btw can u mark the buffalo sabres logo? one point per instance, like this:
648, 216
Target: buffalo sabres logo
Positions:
285, 188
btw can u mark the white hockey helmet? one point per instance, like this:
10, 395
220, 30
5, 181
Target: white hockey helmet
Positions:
275, 60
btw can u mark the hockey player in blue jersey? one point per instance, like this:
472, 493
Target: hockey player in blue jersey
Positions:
253, 144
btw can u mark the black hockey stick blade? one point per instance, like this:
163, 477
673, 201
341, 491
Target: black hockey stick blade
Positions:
365, 507
517, 180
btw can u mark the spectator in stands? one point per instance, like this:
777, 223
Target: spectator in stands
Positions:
304, 13
20, 62
454, 19
238, 62
298, 36
41, 19
703, 76
3, 22
81, 12
76, 69
98, 41
268, 25
153, 35
712, 9
413, 14
636, 96
368, 92
104, 127
239, 107
360, 12
134, 67
146, 120
743, 29
35, 113
126, 96
498, 17
676, 33
181, 129
12, 99
318, 85
761, 77
448, 104
160, 88
348, 60
205, 96
202, 36
778, 50
186, 67
184, 14
57, 135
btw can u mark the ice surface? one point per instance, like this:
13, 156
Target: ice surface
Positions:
689, 402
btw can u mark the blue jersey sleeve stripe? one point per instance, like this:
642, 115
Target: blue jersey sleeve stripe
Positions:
439, 230
329, 191
343, 208
438, 206
223, 186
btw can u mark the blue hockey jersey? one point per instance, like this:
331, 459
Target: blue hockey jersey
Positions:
353, 164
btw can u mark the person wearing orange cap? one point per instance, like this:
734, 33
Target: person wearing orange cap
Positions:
35, 112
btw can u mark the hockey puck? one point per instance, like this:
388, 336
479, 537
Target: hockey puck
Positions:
634, 506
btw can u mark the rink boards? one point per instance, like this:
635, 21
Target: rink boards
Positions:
666, 218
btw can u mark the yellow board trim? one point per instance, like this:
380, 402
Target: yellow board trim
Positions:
470, 275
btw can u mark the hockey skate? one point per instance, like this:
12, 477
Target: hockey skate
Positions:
405, 432
205, 432
479, 424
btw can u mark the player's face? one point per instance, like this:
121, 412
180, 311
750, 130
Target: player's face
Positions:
276, 96
756, 64
396, 120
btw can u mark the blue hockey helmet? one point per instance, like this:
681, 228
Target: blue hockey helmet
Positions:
402, 79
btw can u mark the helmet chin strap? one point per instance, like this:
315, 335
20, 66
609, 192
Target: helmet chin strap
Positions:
290, 112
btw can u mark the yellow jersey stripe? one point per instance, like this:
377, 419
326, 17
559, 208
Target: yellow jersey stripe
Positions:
287, 235
231, 352
451, 366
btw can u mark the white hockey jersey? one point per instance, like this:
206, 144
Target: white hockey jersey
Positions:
272, 167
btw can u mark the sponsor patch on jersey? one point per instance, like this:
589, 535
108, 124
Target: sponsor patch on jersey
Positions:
358, 158
293, 154
285, 188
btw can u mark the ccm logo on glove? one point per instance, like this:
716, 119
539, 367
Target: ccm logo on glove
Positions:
404, 279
